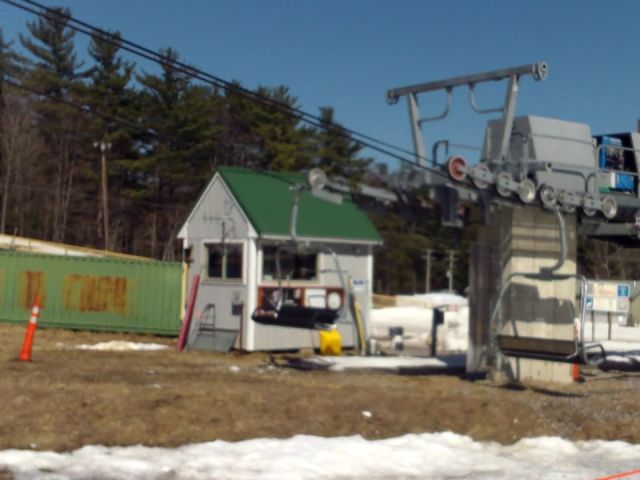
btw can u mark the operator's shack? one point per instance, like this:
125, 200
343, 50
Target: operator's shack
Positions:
232, 238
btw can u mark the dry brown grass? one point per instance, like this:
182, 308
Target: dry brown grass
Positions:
66, 398
380, 301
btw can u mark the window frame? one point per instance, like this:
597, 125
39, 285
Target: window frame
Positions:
208, 245
316, 280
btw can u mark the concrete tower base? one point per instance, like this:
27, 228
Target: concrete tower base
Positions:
522, 240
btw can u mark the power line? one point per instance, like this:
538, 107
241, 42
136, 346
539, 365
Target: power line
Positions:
137, 49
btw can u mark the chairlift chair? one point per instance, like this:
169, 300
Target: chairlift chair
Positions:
539, 348
550, 349
286, 313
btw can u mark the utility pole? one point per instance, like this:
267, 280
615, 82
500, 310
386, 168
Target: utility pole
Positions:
104, 146
450, 272
427, 280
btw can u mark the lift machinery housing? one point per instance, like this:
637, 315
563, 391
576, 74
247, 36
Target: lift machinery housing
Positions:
528, 159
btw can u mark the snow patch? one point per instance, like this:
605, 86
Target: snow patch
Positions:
120, 346
432, 300
415, 456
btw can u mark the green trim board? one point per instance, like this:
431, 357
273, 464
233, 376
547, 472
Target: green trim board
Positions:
267, 199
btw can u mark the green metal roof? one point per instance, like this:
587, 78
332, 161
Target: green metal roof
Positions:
266, 198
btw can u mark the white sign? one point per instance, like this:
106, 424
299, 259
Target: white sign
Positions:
359, 285
608, 297
605, 290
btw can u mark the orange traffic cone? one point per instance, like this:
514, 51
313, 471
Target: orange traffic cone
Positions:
25, 354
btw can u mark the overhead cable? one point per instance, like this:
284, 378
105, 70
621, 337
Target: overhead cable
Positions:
90, 30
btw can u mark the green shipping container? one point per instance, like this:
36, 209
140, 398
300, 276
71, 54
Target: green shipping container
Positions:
92, 293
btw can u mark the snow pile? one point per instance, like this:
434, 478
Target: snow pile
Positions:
431, 300
425, 456
623, 348
416, 321
121, 346
620, 355
453, 335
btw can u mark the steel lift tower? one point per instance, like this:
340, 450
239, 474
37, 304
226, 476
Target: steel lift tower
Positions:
541, 183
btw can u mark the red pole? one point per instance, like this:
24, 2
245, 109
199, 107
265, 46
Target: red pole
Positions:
186, 324
620, 475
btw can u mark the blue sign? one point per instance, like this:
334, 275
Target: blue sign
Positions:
589, 303
624, 290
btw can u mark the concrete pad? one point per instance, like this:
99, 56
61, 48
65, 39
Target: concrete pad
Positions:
443, 364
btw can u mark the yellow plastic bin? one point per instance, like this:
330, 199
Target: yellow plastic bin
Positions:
330, 342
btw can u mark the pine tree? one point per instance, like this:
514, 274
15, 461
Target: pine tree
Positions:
337, 153
176, 165
56, 67
242, 145
56, 73
10, 63
112, 103
111, 97
283, 143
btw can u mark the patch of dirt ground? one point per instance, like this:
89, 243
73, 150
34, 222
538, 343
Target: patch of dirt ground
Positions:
66, 398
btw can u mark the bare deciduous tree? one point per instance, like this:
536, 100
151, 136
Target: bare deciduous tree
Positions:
19, 145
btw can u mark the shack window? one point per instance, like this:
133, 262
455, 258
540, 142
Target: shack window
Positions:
224, 261
293, 266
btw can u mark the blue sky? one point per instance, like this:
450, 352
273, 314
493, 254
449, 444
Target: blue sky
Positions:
347, 53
